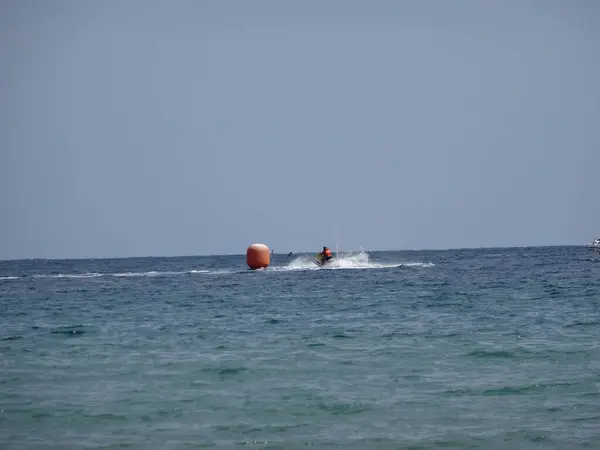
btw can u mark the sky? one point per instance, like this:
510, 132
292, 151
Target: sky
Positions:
183, 127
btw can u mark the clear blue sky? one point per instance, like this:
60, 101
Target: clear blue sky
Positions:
132, 128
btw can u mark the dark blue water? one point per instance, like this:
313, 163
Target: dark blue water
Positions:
495, 349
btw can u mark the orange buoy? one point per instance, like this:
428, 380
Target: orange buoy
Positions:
258, 256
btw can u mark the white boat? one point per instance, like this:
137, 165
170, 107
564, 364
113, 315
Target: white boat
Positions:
594, 244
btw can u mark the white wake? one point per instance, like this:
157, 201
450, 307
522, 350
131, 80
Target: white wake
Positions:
360, 260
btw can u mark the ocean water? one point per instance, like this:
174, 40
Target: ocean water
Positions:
463, 349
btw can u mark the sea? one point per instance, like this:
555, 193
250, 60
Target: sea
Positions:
453, 349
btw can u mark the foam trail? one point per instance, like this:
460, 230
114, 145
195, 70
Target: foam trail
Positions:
152, 273
69, 275
359, 260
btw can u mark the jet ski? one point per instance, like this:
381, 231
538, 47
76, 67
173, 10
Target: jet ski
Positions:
320, 261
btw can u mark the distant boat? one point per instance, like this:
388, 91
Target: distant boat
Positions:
595, 244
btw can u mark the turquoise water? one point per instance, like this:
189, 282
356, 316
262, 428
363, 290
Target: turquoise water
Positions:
490, 349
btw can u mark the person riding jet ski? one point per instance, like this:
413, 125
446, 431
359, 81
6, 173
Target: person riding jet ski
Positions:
324, 256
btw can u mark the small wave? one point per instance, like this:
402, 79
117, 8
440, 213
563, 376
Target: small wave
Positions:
344, 408
583, 323
524, 353
528, 389
70, 330
8, 278
492, 354
341, 336
457, 392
